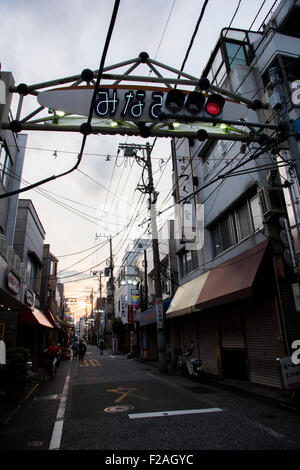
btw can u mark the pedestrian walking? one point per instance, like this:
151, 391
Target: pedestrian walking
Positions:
51, 358
81, 350
101, 345
75, 347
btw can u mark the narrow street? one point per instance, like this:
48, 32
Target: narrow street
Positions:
112, 403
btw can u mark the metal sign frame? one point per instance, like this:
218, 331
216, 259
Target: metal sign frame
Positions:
43, 119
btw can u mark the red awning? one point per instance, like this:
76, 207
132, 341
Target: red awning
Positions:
34, 317
232, 280
50, 317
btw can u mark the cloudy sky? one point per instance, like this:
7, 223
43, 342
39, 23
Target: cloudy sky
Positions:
42, 41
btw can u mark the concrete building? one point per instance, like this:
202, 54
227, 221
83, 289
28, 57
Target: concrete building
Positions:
235, 298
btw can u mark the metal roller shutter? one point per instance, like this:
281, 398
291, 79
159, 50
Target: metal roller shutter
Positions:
262, 343
232, 335
208, 336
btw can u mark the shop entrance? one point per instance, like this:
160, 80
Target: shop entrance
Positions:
234, 364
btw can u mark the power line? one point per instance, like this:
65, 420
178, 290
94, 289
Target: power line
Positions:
193, 37
85, 127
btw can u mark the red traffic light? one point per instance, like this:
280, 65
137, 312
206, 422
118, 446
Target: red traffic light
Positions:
214, 104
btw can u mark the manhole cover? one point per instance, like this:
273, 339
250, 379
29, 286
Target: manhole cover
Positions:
118, 409
34, 444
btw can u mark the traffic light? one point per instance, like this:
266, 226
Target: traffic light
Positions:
191, 106
106, 272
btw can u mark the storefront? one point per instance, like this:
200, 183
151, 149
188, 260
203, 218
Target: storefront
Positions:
235, 321
148, 331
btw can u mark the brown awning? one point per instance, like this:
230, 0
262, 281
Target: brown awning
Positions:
232, 280
34, 317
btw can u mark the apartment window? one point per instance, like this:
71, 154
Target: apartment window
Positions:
237, 225
52, 267
188, 261
34, 273
222, 236
6, 166
243, 221
235, 54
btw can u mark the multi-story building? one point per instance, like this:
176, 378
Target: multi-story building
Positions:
127, 290
37, 325
235, 299
13, 290
169, 281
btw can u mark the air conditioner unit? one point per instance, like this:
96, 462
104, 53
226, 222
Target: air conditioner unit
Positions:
271, 202
11, 256
3, 246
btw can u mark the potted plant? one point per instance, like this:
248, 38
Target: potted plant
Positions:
17, 370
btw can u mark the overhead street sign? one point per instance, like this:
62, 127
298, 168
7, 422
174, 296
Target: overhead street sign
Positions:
138, 104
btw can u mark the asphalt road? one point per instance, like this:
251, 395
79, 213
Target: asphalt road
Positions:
112, 403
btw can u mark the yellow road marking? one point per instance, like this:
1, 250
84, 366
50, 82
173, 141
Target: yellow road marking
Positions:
90, 362
124, 392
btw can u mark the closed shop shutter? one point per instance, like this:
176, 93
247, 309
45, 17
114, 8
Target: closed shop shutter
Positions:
262, 343
232, 335
208, 340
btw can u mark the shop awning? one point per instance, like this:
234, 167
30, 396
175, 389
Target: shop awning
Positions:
149, 316
186, 296
62, 322
50, 317
34, 317
232, 280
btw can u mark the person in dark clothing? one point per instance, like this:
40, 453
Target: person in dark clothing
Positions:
101, 345
81, 350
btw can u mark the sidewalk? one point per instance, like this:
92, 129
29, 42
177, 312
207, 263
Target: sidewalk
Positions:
280, 397
8, 408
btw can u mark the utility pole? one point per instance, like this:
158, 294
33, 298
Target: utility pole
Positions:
131, 150
156, 262
112, 278
146, 280
279, 100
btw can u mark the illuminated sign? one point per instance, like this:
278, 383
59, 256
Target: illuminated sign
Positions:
13, 283
128, 104
112, 102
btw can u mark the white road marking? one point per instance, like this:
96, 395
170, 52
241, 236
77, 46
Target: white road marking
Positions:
58, 426
48, 397
157, 414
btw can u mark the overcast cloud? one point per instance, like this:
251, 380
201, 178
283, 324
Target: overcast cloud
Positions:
41, 41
